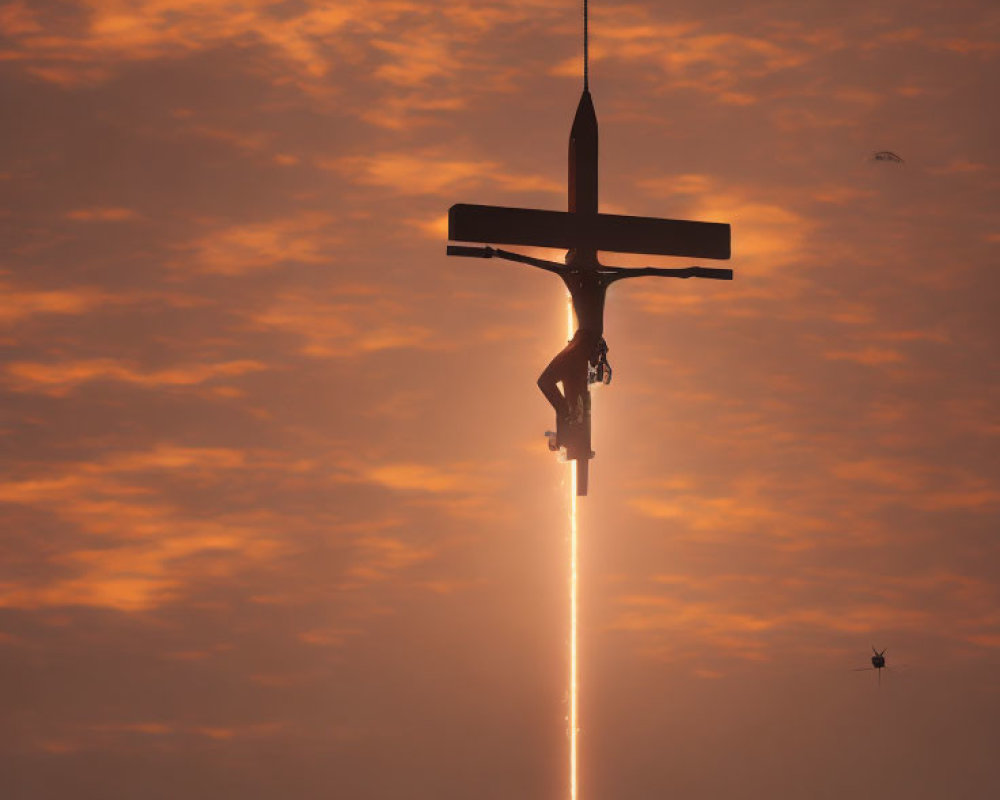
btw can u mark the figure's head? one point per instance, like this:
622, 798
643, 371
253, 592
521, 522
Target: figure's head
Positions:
582, 258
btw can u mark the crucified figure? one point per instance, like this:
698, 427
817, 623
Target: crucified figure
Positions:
584, 359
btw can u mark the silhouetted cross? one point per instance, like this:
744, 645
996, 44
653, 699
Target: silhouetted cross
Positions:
584, 231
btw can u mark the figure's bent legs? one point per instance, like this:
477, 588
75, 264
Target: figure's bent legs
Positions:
569, 367
549, 380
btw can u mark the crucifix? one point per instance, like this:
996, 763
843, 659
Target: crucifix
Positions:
583, 231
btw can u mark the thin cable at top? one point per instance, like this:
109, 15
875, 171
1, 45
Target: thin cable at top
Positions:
586, 54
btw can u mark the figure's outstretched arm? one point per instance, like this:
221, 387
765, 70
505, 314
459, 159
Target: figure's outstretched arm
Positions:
612, 274
493, 252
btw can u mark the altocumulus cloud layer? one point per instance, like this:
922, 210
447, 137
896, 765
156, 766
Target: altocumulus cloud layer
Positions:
278, 517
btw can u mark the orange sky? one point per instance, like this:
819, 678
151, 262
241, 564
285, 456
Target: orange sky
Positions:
278, 516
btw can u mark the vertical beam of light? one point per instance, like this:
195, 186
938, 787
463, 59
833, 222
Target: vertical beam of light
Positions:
573, 720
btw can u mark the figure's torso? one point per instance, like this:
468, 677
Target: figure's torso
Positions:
587, 289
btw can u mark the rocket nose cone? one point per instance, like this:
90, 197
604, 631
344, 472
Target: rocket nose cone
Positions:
583, 158
586, 117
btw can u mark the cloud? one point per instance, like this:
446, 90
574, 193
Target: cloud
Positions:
130, 548
246, 141
172, 457
959, 166
770, 234
869, 356
681, 617
17, 19
328, 637
766, 234
59, 378
380, 557
404, 111
400, 43
419, 477
102, 214
97, 589
897, 475
119, 33
680, 184
165, 735
21, 303
354, 321
135, 535
429, 173
982, 498
751, 507
462, 490
722, 63
436, 227
417, 56
248, 247
969, 46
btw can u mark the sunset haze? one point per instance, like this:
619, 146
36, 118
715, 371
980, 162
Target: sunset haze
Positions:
278, 515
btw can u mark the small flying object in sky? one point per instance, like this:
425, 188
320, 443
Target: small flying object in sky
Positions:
878, 664
887, 155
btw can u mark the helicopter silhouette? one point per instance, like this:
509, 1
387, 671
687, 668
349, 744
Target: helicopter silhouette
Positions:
878, 664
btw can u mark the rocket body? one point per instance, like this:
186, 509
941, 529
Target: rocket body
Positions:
583, 158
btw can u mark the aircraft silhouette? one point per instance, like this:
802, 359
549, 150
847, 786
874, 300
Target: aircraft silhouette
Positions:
878, 664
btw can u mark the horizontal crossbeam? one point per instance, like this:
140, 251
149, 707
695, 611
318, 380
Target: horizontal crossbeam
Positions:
532, 227
611, 273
